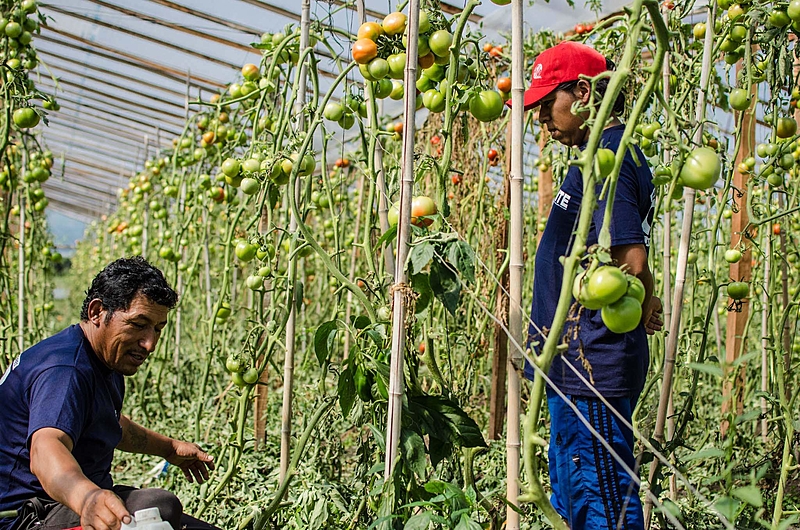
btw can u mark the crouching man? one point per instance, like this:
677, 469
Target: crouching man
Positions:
61, 419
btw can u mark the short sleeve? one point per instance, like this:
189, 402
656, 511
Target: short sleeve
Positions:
59, 398
626, 219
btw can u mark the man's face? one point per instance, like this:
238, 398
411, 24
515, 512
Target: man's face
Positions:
129, 337
555, 113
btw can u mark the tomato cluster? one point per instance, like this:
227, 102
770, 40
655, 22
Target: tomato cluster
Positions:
617, 295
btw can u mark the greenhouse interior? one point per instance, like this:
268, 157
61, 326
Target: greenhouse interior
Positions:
355, 264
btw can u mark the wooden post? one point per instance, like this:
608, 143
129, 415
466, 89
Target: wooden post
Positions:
739, 271
497, 400
545, 184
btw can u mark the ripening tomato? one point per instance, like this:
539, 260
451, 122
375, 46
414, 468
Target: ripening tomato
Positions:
699, 30
785, 127
250, 72
370, 30
701, 169
504, 84
426, 61
394, 23
364, 50
491, 154
422, 208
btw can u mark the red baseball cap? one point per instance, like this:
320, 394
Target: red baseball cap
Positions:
566, 61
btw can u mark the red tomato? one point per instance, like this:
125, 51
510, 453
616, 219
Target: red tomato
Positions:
504, 84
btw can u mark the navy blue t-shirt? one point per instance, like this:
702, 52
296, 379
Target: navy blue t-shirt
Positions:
59, 382
618, 362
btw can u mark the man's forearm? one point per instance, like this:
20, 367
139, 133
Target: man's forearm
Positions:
58, 472
138, 439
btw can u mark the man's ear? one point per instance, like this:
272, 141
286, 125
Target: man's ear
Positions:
96, 311
584, 91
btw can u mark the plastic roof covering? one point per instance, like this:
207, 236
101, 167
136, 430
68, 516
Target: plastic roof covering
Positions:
124, 68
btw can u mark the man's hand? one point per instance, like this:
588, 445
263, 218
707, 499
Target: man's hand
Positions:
652, 316
103, 510
192, 460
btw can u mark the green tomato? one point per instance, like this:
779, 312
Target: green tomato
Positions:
254, 282
245, 251
623, 315
486, 106
701, 169
232, 364
605, 161
738, 290
636, 289
733, 255
606, 285
440, 42
250, 376
739, 99
230, 167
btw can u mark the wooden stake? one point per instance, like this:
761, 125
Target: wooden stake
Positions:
515, 244
401, 288
497, 399
680, 274
288, 365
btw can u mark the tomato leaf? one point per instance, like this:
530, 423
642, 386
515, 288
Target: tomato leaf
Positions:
421, 521
460, 254
298, 296
389, 235
347, 390
708, 452
466, 523
443, 420
422, 286
360, 322
706, 368
413, 448
419, 257
445, 285
749, 494
323, 340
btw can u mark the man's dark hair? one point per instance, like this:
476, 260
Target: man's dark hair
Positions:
601, 85
120, 281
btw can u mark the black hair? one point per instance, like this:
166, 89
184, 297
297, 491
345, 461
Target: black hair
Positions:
600, 86
122, 280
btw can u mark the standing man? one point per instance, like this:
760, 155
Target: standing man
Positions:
591, 490
61, 421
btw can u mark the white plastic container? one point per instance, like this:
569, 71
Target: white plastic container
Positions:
147, 519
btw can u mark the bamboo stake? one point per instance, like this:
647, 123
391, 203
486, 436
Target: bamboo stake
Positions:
349, 306
667, 243
401, 288
680, 274
765, 338
21, 272
515, 244
288, 366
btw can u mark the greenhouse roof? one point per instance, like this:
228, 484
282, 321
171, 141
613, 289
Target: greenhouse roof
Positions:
125, 71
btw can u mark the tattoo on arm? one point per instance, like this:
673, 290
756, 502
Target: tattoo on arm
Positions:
137, 438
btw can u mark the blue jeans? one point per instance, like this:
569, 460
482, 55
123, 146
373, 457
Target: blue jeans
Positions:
591, 490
